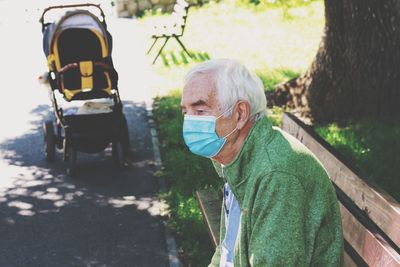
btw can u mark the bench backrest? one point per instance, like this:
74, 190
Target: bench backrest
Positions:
370, 217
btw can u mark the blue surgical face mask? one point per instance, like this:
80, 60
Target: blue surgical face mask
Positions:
200, 135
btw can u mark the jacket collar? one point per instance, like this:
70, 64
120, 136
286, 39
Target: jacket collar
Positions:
241, 168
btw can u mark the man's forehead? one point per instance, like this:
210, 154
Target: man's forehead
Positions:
199, 89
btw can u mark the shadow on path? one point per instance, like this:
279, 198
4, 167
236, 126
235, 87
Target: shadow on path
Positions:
102, 217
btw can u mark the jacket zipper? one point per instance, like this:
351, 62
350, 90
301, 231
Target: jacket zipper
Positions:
223, 174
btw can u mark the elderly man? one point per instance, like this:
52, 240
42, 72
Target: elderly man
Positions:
280, 208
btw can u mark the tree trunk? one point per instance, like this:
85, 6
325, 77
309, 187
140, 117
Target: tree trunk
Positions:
356, 71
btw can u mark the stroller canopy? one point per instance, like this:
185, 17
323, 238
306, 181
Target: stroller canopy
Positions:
74, 24
75, 47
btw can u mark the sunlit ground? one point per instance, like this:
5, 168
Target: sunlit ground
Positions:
23, 62
264, 41
25, 103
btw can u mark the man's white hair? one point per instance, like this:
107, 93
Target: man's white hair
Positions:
233, 82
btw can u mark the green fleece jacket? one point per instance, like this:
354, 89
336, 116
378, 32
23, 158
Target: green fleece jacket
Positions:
289, 210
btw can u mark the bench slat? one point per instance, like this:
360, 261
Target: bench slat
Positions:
374, 250
210, 205
380, 207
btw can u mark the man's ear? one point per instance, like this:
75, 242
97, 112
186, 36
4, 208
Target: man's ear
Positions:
243, 109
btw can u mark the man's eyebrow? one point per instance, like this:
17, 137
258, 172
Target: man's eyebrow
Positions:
200, 102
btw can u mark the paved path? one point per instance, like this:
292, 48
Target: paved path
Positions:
103, 217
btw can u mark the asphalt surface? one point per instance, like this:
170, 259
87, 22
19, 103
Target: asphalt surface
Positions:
100, 217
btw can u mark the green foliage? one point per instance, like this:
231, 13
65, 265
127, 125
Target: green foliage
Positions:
164, 60
272, 77
275, 115
174, 59
267, 4
171, 58
184, 59
264, 40
153, 12
176, 157
184, 173
188, 225
371, 145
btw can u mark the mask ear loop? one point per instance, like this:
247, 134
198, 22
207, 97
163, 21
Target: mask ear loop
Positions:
226, 136
225, 141
225, 112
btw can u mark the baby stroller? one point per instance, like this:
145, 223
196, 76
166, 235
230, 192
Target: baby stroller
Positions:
78, 50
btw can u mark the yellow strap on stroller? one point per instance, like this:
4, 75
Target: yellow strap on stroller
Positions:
50, 61
86, 69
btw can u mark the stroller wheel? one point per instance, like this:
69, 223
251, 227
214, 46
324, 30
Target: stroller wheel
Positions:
71, 170
120, 145
59, 139
65, 150
118, 154
125, 135
49, 141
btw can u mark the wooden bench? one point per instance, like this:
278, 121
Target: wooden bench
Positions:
174, 28
370, 217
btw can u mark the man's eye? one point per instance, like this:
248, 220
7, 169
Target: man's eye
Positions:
200, 111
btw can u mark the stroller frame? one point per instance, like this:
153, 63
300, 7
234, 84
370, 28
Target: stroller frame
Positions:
85, 133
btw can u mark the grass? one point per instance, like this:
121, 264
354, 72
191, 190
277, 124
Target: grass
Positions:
265, 41
183, 181
272, 77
